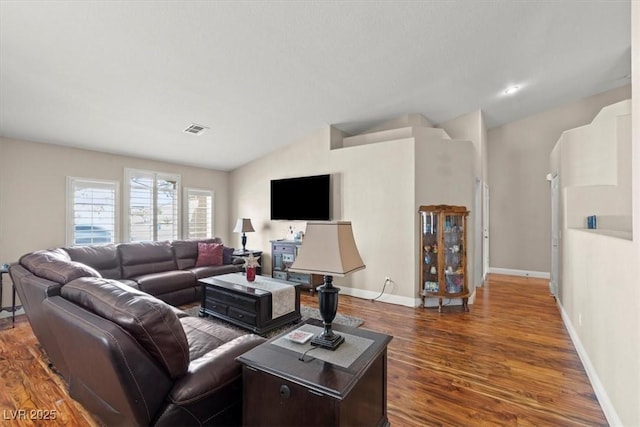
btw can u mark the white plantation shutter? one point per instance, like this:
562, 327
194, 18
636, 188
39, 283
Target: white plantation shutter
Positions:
92, 211
199, 213
153, 212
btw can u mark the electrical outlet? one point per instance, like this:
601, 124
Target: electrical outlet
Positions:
579, 319
387, 279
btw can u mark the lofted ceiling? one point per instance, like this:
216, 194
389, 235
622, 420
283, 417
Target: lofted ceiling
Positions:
128, 77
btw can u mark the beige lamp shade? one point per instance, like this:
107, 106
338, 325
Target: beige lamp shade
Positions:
243, 225
329, 249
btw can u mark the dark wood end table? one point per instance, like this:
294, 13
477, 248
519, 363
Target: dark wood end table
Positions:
279, 389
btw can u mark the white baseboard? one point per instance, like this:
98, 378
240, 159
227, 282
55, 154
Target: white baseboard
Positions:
5, 313
523, 273
392, 299
603, 398
399, 300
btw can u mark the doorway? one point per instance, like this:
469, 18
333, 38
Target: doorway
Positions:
478, 274
555, 236
485, 231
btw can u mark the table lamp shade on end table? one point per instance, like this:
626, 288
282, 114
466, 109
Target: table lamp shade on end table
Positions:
328, 249
243, 225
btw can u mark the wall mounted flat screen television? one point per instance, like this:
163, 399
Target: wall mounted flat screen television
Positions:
305, 198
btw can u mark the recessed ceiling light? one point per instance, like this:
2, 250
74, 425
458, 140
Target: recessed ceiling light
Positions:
195, 129
511, 90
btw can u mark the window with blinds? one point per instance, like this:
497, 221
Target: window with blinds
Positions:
92, 211
153, 211
198, 206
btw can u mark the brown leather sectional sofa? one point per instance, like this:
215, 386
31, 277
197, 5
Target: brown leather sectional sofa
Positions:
163, 269
103, 316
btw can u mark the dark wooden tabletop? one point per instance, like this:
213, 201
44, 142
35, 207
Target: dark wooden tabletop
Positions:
314, 373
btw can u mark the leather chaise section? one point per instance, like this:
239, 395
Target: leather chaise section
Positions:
166, 282
111, 374
151, 322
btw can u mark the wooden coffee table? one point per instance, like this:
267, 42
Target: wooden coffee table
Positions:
279, 389
246, 304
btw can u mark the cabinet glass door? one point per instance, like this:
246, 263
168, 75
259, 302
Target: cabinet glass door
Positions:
430, 252
454, 269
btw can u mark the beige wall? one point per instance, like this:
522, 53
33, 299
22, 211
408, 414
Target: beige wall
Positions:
471, 127
634, 391
596, 171
520, 200
372, 186
444, 175
33, 191
377, 186
600, 280
600, 263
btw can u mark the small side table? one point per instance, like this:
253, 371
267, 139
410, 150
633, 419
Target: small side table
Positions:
280, 389
4, 269
239, 253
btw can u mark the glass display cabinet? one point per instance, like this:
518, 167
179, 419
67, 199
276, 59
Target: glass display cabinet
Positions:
443, 248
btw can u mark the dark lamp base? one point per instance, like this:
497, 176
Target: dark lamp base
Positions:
328, 342
328, 299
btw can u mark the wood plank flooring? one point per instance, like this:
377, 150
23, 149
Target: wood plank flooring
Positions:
508, 361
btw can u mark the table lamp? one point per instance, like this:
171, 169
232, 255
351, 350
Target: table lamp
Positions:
328, 249
243, 225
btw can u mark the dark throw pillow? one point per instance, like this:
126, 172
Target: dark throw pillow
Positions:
227, 255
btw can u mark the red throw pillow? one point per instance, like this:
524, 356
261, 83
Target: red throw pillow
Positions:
209, 254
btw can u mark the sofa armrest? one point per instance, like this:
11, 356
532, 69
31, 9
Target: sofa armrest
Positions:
212, 371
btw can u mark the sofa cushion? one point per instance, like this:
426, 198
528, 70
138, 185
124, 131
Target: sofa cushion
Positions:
165, 282
56, 265
153, 323
140, 258
209, 254
186, 251
214, 270
103, 258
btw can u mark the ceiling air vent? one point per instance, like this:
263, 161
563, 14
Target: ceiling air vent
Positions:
195, 129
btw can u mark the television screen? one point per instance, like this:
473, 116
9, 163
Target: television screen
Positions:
304, 198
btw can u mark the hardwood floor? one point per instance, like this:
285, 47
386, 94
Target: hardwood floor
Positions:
508, 361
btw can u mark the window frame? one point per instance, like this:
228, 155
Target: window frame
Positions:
72, 182
129, 173
187, 191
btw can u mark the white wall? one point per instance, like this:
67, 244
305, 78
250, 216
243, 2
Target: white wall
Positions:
518, 162
33, 191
